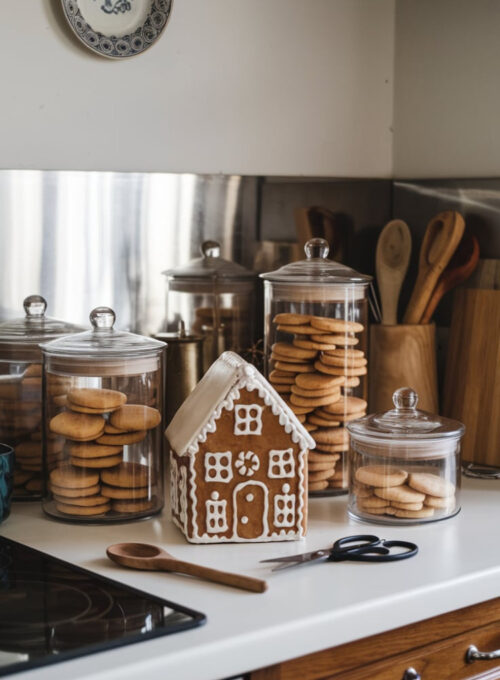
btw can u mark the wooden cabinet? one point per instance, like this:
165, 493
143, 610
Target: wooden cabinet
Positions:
435, 649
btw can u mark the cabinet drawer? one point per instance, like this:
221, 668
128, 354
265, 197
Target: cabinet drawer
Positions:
442, 660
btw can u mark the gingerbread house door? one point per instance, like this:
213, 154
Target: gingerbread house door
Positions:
250, 503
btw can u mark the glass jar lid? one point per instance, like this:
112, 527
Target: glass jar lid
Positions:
317, 268
34, 327
405, 422
209, 269
103, 341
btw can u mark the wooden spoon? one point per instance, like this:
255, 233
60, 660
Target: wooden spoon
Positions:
150, 557
459, 268
391, 264
442, 236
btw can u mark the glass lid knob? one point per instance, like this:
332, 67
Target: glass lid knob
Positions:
405, 399
210, 249
35, 306
102, 318
317, 248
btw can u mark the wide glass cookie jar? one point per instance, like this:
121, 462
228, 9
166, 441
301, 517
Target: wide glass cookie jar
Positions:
214, 298
315, 344
108, 465
404, 464
21, 391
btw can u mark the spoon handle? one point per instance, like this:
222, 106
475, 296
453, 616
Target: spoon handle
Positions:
236, 580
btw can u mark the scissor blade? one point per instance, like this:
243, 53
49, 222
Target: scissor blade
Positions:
294, 560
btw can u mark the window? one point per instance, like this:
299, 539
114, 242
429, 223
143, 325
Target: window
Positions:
248, 419
218, 467
216, 514
284, 508
281, 463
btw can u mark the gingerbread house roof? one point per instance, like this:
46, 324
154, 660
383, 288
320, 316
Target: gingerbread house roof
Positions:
218, 390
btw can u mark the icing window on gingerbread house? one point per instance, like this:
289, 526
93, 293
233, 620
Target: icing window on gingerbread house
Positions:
248, 419
216, 515
218, 467
281, 463
284, 508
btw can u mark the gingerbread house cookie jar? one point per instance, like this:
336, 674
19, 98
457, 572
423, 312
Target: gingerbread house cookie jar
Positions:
238, 459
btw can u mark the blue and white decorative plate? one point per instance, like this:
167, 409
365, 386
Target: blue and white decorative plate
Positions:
117, 28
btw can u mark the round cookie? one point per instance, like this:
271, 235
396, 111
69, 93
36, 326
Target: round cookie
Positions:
98, 463
317, 467
372, 502
283, 389
332, 436
322, 392
314, 401
91, 450
322, 422
287, 350
336, 340
339, 370
67, 509
128, 475
34, 485
124, 493
318, 381
321, 475
380, 475
347, 405
310, 344
109, 429
351, 382
333, 448
124, 439
414, 514
446, 503
363, 491
346, 353
335, 325
315, 457
294, 368
286, 358
75, 493
86, 409
71, 478
96, 398
304, 329
430, 484
299, 410
132, 505
84, 501
281, 378
290, 319
317, 486
343, 363
33, 371
133, 417
376, 511
407, 506
400, 494
77, 426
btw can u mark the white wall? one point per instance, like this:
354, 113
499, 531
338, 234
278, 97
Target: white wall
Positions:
232, 86
447, 88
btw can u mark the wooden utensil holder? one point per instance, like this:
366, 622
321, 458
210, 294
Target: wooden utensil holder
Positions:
402, 355
472, 378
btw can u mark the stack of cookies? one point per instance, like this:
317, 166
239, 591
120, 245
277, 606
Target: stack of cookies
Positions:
92, 429
382, 490
21, 427
317, 369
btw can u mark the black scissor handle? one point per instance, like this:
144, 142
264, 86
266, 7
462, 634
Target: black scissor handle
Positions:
368, 548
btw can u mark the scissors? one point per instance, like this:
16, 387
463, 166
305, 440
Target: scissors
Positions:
362, 548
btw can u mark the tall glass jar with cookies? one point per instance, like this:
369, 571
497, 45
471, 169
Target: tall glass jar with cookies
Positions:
315, 343
108, 419
21, 392
214, 298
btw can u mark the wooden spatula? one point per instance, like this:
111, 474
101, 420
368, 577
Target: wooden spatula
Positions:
391, 264
458, 270
442, 236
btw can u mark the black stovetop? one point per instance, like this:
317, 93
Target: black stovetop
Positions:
52, 611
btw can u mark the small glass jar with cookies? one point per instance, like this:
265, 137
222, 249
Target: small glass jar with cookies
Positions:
315, 344
21, 392
109, 465
404, 464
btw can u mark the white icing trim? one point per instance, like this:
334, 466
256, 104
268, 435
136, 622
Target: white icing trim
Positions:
276, 458
247, 463
242, 423
215, 510
218, 467
192, 495
289, 514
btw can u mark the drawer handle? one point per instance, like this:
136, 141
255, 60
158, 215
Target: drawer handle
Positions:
411, 674
473, 654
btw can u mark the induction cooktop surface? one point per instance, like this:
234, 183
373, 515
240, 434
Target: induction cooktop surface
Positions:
52, 611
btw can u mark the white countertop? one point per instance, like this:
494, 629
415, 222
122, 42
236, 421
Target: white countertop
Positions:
304, 610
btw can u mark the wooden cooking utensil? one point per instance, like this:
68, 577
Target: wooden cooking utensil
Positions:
458, 270
391, 264
442, 236
152, 558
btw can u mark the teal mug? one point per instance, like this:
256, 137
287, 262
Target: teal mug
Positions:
6, 479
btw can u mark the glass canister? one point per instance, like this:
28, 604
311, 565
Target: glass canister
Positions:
315, 344
21, 391
404, 464
109, 464
214, 298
